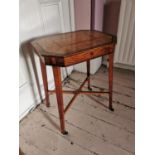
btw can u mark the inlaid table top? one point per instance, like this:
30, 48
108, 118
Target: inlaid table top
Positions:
67, 44
70, 48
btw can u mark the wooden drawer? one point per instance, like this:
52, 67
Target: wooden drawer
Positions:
80, 57
94, 53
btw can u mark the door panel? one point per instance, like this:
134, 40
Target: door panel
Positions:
52, 17
39, 18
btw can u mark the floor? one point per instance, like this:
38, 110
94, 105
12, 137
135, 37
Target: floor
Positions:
93, 129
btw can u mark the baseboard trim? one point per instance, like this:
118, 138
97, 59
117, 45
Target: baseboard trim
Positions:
119, 65
124, 66
36, 102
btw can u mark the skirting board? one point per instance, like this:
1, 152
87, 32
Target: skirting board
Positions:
129, 67
119, 65
35, 102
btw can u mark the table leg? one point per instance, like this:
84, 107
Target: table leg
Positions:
88, 74
44, 76
59, 95
111, 56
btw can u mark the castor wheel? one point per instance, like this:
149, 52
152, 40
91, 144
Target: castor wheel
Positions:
65, 132
90, 88
47, 105
111, 108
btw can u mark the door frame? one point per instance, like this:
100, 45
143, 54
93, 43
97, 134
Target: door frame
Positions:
72, 14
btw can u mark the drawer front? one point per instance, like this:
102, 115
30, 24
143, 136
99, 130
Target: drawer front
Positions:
94, 53
80, 57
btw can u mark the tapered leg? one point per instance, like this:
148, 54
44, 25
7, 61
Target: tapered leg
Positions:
59, 95
110, 80
88, 74
44, 76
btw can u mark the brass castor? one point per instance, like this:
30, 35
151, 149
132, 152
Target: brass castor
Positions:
65, 132
90, 88
111, 108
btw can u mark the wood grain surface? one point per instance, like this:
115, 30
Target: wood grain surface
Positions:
67, 44
70, 48
93, 129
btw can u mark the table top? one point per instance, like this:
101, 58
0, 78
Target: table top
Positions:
71, 43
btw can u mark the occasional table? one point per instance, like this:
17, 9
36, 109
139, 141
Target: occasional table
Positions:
71, 48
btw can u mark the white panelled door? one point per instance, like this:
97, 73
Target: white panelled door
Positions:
39, 18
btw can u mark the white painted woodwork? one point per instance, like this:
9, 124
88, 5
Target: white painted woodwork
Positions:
38, 18
125, 49
22, 78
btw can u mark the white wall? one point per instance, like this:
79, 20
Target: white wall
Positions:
82, 21
99, 14
38, 18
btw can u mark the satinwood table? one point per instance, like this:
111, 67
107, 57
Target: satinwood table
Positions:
71, 48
